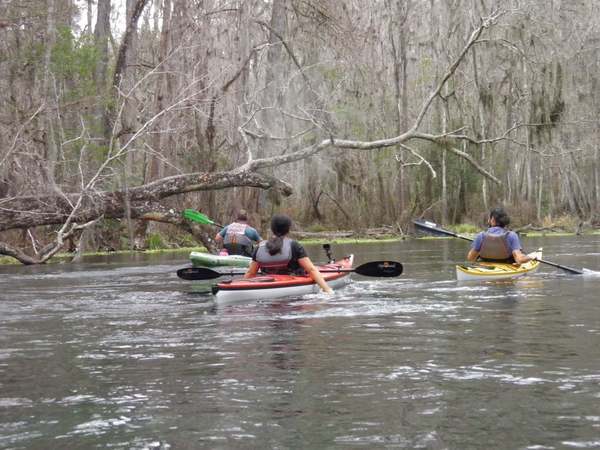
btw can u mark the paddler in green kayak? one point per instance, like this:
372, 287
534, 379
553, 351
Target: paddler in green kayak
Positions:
238, 237
497, 244
283, 255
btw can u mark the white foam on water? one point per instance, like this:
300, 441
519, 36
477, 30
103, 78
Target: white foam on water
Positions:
582, 444
590, 273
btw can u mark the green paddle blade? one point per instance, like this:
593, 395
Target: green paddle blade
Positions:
196, 216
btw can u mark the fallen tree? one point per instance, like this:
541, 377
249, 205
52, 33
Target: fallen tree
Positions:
144, 201
77, 211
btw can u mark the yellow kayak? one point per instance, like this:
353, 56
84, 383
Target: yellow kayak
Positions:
486, 271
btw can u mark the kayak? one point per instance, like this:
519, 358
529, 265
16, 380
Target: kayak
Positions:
201, 259
266, 287
486, 271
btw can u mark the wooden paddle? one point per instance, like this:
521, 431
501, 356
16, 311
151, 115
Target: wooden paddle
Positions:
435, 229
370, 269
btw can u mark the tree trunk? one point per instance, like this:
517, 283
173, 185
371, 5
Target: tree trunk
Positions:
397, 24
596, 168
155, 163
101, 36
49, 96
540, 192
90, 16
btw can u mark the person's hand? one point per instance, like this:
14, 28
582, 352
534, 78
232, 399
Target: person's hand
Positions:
532, 256
329, 292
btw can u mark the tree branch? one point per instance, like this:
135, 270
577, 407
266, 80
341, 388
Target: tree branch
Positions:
30, 211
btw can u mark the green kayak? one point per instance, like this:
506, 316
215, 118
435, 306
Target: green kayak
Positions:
200, 259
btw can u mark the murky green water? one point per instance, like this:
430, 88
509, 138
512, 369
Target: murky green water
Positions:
125, 355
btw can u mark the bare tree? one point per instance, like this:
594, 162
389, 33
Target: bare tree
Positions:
383, 111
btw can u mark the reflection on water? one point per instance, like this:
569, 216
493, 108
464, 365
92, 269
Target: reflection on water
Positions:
125, 355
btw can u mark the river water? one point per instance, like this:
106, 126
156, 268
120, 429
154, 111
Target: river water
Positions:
123, 354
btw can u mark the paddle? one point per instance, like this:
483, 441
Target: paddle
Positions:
197, 216
370, 269
435, 229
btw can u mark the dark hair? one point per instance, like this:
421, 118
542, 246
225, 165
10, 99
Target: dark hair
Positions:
280, 226
500, 216
242, 215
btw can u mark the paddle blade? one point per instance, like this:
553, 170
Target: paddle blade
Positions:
436, 230
380, 269
200, 273
196, 216
431, 228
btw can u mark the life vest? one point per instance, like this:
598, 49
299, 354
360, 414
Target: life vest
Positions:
274, 263
235, 241
495, 247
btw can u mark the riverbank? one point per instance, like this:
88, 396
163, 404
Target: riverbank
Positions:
313, 238
67, 257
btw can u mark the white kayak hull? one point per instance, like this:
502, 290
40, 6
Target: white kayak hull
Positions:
224, 295
228, 297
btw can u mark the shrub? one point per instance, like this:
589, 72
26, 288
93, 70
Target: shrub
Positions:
154, 241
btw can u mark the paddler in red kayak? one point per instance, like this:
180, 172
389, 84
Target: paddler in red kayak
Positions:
498, 244
238, 237
280, 254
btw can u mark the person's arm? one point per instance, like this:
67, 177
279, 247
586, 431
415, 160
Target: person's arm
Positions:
520, 257
252, 270
515, 244
252, 234
221, 235
314, 273
475, 248
472, 255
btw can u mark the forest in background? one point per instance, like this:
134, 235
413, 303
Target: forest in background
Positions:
346, 114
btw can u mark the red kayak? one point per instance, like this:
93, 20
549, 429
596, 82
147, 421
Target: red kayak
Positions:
265, 287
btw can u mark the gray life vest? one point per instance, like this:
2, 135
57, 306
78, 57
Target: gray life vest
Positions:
235, 241
495, 247
277, 262
236, 234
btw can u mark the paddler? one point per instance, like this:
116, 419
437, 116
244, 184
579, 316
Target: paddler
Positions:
238, 237
280, 254
497, 243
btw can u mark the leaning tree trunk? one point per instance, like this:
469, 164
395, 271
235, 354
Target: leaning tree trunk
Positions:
30, 211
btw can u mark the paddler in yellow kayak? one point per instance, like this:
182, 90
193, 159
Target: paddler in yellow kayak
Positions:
280, 254
238, 237
497, 244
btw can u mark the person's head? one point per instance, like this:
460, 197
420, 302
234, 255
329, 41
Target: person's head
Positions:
280, 226
499, 218
242, 215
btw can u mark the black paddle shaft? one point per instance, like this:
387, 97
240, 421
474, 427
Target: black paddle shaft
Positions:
370, 269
